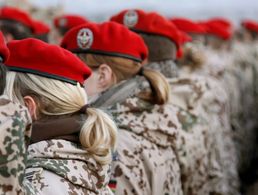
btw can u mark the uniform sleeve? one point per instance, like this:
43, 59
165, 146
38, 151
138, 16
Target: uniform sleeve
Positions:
15, 129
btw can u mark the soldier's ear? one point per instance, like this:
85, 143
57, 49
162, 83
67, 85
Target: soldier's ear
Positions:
105, 76
32, 106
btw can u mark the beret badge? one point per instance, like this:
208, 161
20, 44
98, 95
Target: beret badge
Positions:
84, 38
130, 18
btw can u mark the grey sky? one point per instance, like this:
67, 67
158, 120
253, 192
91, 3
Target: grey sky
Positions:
196, 9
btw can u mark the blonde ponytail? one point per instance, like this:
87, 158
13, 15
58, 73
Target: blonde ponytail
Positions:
159, 86
98, 134
53, 97
124, 69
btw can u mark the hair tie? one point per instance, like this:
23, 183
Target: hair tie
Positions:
140, 72
84, 108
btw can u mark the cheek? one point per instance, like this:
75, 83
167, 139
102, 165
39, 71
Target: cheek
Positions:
90, 85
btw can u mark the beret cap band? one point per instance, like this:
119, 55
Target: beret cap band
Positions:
43, 74
98, 52
51, 61
109, 38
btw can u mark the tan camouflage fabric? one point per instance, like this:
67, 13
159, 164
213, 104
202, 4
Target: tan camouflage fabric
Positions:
15, 130
192, 147
246, 65
62, 167
204, 104
239, 82
146, 161
207, 132
48, 167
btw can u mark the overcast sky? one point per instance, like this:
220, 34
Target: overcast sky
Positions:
196, 9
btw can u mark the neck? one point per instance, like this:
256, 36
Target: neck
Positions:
167, 67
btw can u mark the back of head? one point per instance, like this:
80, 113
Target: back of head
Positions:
196, 31
55, 85
65, 22
155, 30
98, 44
16, 23
160, 48
218, 35
193, 57
250, 30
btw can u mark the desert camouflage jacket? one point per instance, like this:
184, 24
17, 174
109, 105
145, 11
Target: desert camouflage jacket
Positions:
205, 100
63, 167
246, 66
203, 112
15, 130
146, 162
48, 167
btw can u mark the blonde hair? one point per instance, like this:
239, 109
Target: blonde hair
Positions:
53, 97
192, 57
124, 69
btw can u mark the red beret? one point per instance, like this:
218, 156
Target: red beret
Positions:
222, 21
150, 23
188, 25
108, 38
179, 53
69, 21
217, 29
184, 38
40, 27
4, 51
250, 25
51, 61
10, 13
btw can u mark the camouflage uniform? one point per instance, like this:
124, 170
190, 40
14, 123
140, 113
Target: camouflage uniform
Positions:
52, 167
146, 162
224, 108
245, 62
203, 104
62, 167
15, 131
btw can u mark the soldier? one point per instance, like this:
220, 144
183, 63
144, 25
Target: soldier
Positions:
203, 169
223, 73
245, 60
15, 24
192, 59
15, 129
192, 28
64, 23
71, 143
146, 162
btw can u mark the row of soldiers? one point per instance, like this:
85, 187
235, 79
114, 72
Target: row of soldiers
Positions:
136, 105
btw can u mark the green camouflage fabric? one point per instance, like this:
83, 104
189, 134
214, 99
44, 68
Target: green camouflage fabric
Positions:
146, 161
62, 167
15, 131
